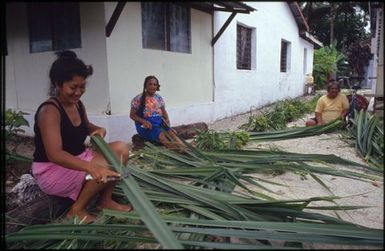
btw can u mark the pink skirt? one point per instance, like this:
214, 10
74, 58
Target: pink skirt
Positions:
60, 181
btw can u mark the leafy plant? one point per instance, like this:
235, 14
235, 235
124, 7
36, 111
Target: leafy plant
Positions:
257, 123
209, 140
13, 123
327, 61
282, 112
358, 55
238, 139
368, 134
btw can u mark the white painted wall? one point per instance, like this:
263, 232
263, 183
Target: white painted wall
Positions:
27, 80
196, 87
237, 90
186, 79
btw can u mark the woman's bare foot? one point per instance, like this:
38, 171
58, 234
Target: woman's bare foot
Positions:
83, 216
113, 205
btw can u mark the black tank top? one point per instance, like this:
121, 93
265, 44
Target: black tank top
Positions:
72, 136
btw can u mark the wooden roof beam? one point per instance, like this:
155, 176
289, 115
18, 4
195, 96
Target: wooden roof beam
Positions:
228, 21
114, 18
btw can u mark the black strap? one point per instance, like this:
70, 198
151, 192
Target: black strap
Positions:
45, 103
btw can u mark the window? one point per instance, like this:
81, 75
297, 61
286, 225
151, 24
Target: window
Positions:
244, 47
304, 60
285, 56
53, 26
166, 26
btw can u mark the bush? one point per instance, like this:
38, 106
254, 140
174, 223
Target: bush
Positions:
13, 121
283, 112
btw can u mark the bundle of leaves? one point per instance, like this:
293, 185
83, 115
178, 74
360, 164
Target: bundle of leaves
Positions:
368, 135
212, 140
209, 140
158, 199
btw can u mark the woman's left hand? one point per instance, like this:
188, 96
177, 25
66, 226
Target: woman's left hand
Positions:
99, 131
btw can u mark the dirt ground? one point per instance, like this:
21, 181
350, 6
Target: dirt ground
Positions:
355, 192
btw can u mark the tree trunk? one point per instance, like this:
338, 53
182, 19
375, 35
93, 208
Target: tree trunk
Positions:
331, 19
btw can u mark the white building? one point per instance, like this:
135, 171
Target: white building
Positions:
212, 61
376, 66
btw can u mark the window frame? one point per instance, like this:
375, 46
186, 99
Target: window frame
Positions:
250, 50
166, 43
57, 38
285, 53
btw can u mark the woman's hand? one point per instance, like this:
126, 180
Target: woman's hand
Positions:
99, 131
101, 174
146, 124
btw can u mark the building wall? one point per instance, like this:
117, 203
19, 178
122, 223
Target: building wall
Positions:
236, 91
27, 80
196, 87
186, 79
380, 69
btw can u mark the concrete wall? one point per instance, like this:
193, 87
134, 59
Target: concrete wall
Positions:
186, 79
27, 80
380, 69
202, 86
237, 90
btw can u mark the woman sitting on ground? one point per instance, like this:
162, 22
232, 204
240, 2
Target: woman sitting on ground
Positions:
330, 106
151, 118
61, 161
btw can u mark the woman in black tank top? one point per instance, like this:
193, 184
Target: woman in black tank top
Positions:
61, 160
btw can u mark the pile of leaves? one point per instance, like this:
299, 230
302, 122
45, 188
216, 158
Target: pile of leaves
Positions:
185, 200
368, 134
212, 140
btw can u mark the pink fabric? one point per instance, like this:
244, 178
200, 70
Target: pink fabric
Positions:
57, 180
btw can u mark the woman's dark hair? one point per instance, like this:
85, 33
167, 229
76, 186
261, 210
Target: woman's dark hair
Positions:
65, 67
143, 98
331, 83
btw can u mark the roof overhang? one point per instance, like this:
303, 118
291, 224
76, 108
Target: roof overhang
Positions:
298, 16
302, 24
209, 7
307, 36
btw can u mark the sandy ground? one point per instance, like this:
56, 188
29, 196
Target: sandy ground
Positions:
355, 192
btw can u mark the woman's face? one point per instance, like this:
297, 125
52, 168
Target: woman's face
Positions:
333, 91
72, 90
151, 86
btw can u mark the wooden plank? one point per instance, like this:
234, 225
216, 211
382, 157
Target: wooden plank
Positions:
114, 18
183, 131
228, 21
